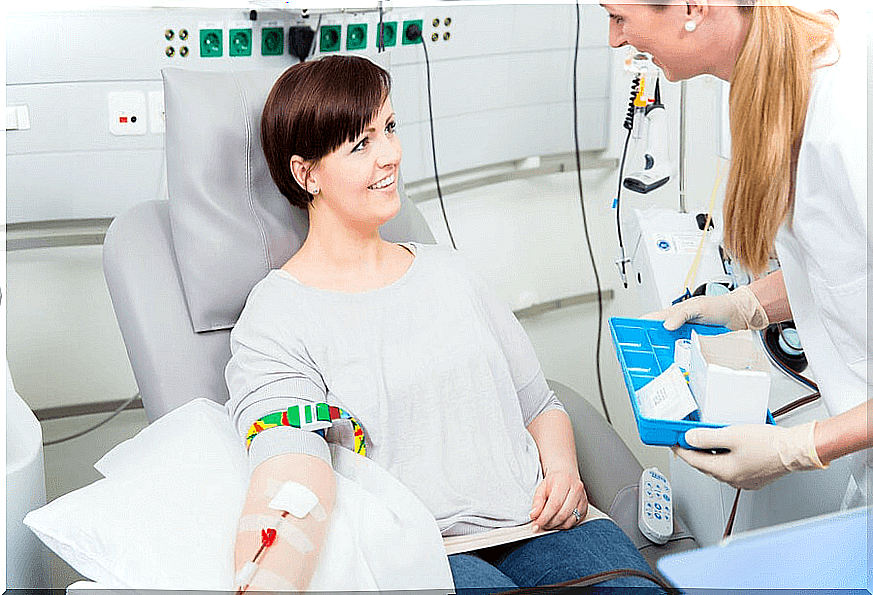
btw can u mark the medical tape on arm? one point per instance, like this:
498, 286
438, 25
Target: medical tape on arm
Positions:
266, 579
311, 418
285, 531
295, 499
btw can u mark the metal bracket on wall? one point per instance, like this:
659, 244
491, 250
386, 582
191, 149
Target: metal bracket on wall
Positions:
530, 167
574, 300
56, 234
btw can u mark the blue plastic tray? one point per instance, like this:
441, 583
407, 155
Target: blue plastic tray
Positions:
645, 349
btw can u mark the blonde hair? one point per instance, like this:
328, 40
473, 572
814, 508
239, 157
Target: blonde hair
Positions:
769, 95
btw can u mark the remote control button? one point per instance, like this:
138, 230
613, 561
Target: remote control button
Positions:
648, 504
666, 497
648, 493
658, 516
657, 506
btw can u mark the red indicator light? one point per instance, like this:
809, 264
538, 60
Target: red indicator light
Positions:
123, 119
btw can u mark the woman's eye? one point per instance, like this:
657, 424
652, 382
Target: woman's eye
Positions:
616, 19
361, 145
390, 128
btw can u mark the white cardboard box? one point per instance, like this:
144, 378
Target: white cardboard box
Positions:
730, 378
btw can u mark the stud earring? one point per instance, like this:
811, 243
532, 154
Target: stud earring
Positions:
314, 191
690, 26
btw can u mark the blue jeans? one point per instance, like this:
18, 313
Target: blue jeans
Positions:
592, 547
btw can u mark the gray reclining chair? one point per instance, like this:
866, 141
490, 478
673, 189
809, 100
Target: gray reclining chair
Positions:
179, 271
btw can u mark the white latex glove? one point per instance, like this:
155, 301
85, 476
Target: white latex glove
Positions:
758, 454
738, 310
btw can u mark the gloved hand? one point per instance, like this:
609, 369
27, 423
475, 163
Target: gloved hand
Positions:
758, 454
737, 310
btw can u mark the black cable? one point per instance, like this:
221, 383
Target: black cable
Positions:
629, 126
94, 427
584, 216
593, 579
779, 364
380, 42
436, 174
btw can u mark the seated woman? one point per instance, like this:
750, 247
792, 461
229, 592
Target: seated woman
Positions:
438, 374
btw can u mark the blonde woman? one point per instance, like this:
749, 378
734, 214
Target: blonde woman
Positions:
797, 187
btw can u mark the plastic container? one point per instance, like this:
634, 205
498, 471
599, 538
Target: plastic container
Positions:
645, 349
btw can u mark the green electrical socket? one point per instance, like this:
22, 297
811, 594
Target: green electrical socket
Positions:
211, 42
406, 24
240, 42
389, 34
356, 36
329, 40
272, 41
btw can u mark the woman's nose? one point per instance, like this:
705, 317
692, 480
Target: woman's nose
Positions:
616, 37
391, 151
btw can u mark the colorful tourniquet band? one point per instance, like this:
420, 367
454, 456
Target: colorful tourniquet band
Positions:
314, 417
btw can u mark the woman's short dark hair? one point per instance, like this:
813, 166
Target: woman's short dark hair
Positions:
313, 108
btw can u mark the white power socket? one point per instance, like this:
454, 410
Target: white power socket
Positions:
127, 113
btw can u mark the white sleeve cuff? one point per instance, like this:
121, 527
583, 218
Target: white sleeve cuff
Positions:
283, 440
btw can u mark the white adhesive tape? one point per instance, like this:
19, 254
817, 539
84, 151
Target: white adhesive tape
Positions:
256, 522
295, 499
244, 576
270, 581
294, 537
285, 531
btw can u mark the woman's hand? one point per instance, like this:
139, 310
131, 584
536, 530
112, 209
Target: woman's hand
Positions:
561, 491
558, 495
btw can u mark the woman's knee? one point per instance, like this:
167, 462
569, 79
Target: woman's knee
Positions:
474, 576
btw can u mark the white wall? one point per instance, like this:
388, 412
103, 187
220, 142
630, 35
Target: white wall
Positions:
64, 348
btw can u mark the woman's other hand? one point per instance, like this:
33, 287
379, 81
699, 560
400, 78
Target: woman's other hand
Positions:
558, 495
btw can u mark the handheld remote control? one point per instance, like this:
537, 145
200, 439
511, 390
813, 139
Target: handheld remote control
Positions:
655, 515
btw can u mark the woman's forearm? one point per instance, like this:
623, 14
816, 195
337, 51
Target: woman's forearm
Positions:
553, 434
289, 562
843, 434
770, 291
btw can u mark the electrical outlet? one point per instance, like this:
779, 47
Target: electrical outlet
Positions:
240, 42
389, 34
406, 24
356, 36
329, 38
272, 41
211, 43
127, 113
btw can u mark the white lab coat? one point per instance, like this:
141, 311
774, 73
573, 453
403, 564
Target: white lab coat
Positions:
823, 246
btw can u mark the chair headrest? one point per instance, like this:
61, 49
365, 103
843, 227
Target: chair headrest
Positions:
230, 223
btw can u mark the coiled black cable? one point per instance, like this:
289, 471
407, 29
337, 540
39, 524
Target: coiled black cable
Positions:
629, 126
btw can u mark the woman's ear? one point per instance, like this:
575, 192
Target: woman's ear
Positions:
300, 169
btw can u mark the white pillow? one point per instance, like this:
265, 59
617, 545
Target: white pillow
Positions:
166, 514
